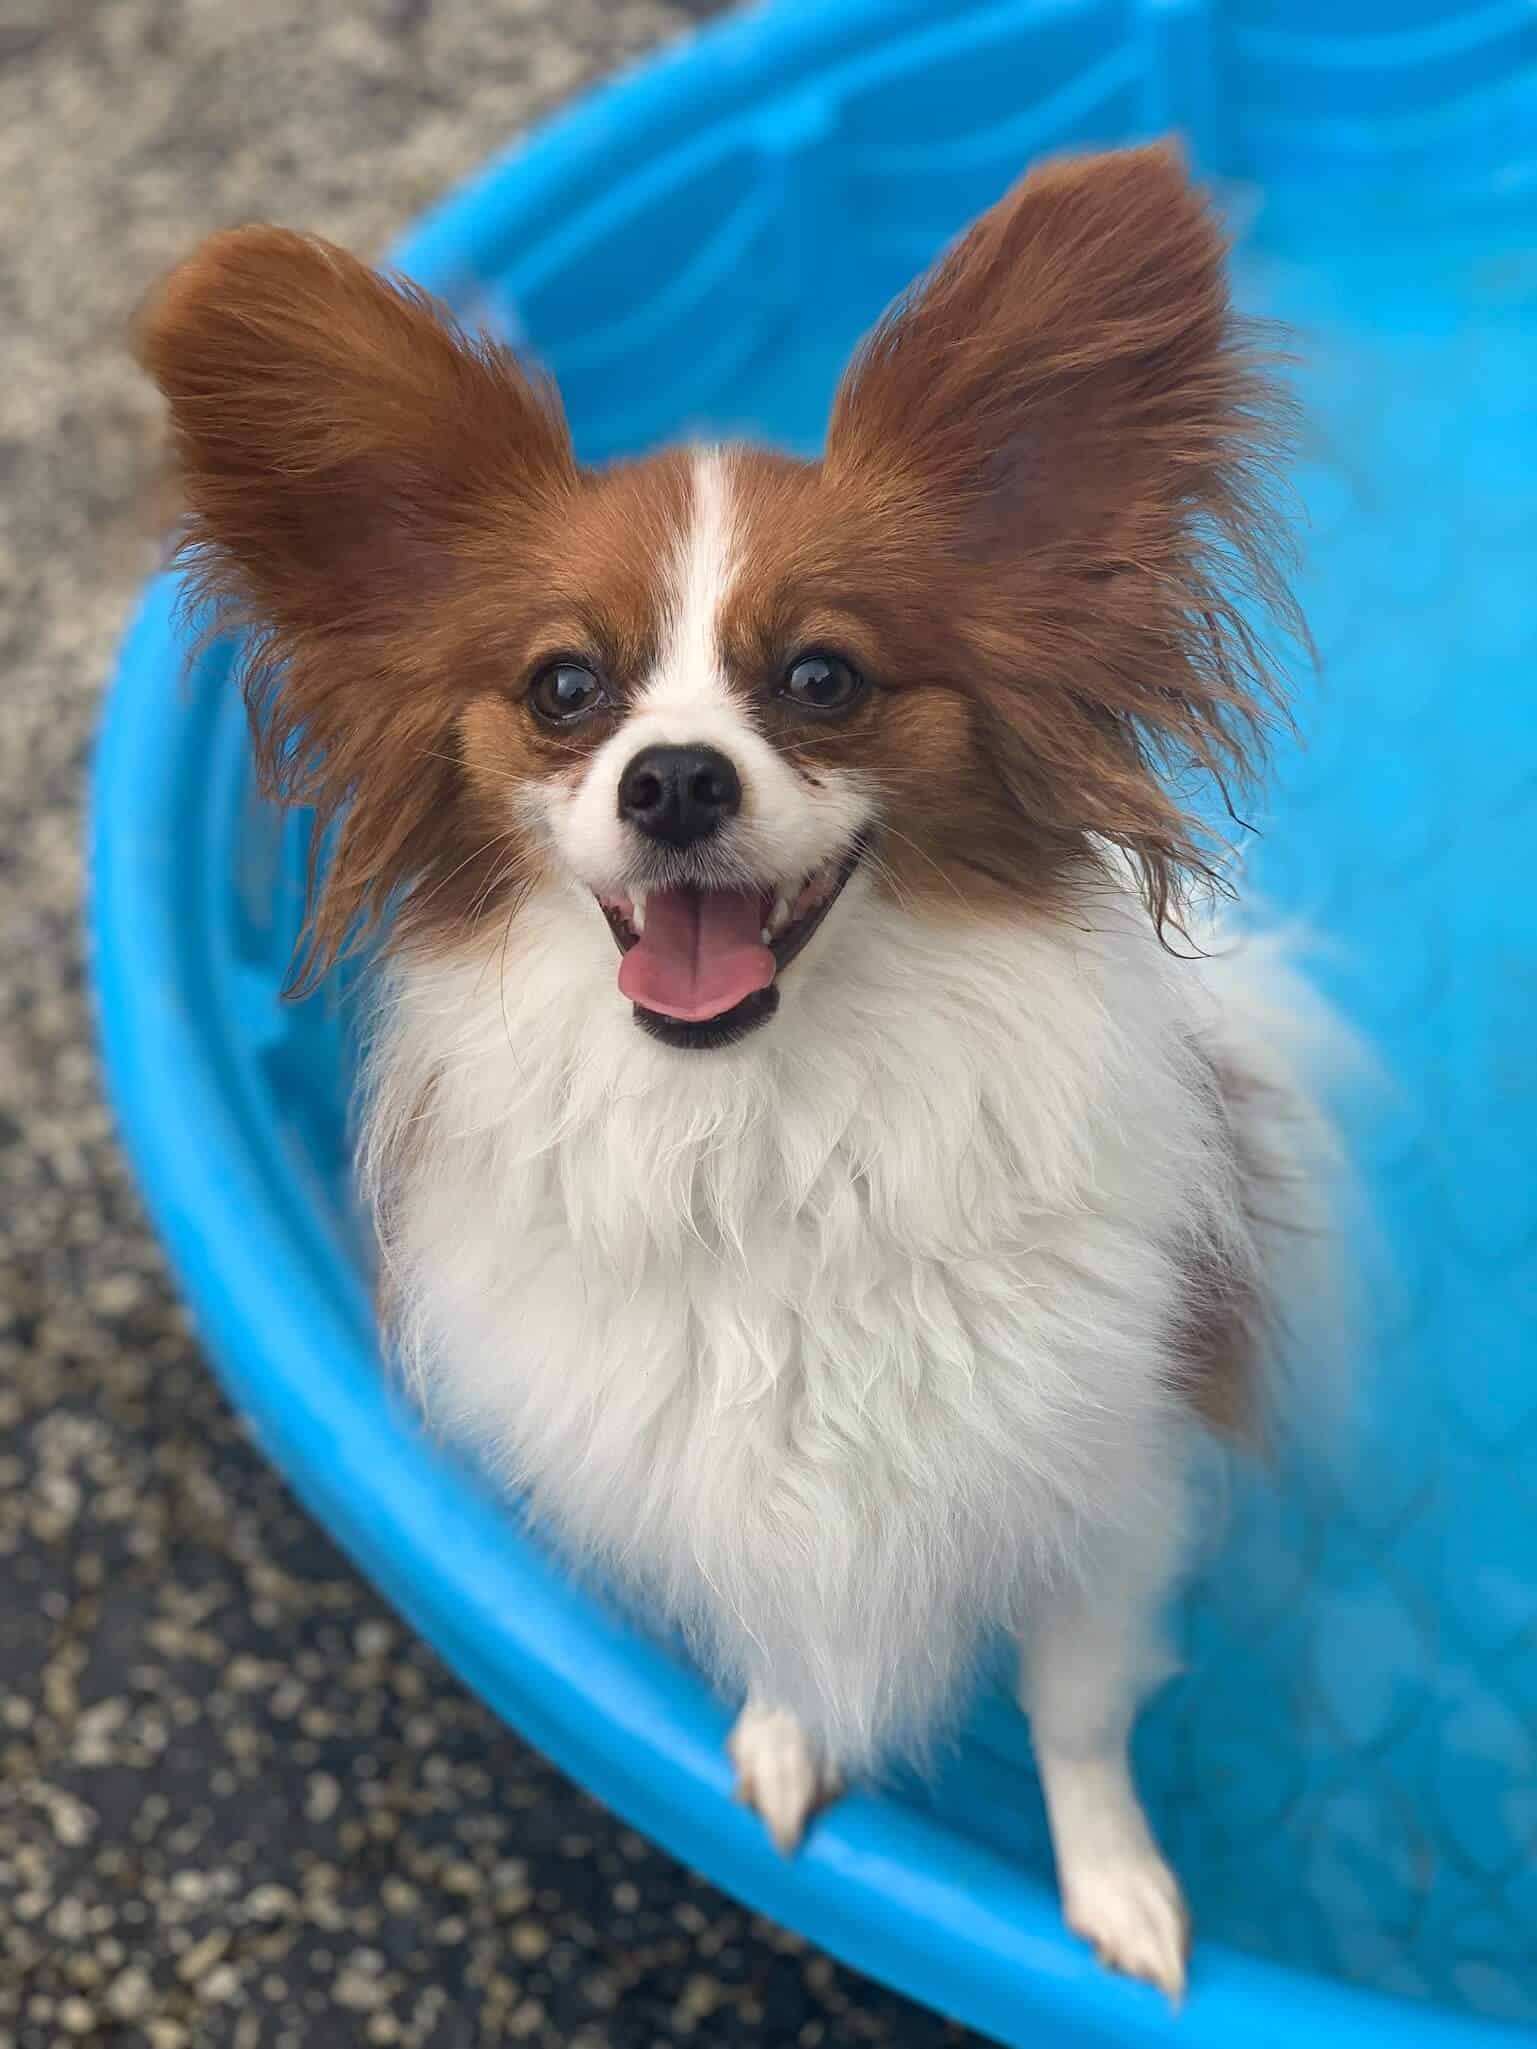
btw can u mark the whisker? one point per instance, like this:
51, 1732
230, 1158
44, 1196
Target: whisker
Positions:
948, 880
884, 869
496, 839
501, 982
495, 881
514, 782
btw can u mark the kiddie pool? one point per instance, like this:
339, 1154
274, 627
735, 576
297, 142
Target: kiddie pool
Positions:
1346, 1773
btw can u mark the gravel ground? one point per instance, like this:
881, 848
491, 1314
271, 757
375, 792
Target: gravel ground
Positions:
239, 1805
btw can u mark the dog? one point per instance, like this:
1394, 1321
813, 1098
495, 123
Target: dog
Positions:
825, 1148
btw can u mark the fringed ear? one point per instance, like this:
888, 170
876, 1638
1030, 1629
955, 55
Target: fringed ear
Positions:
349, 459
1069, 405
336, 431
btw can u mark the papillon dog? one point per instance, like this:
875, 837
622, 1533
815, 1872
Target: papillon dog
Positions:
823, 1150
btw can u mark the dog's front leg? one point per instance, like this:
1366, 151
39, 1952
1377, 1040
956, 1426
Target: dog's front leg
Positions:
779, 1771
1088, 1657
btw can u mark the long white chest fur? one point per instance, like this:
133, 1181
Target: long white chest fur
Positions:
838, 1345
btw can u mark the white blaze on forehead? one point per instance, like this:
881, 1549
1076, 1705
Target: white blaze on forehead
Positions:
688, 691
787, 827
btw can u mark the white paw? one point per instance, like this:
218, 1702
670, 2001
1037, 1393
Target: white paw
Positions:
777, 1774
1133, 1912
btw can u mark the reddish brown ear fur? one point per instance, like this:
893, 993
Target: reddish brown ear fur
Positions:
353, 465
1055, 448
1069, 416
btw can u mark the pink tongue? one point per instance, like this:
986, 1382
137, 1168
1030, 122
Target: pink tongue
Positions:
700, 954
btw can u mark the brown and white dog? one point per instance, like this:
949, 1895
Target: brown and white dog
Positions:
859, 1274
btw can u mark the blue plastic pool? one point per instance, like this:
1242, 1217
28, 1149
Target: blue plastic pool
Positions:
1346, 1773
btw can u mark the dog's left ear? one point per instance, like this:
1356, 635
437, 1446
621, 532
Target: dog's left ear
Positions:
1071, 435
1066, 379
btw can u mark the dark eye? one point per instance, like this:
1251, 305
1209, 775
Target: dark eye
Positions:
822, 683
565, 692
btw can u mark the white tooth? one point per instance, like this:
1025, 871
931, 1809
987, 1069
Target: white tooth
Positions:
781, 916
638, 910
765, 935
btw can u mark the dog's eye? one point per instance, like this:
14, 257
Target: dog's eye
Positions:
565, 692
822, 683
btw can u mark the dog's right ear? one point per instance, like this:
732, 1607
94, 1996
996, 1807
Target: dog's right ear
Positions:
357, 473
339, 437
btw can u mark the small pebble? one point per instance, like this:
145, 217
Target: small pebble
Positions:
196, 1962
130, 1995
529, 1940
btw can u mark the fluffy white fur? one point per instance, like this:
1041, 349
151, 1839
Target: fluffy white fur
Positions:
844, 1344
845, 1339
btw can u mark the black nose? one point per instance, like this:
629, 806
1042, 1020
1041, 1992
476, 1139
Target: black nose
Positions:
679, 794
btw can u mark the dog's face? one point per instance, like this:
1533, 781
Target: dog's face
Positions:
699, 693
678, 737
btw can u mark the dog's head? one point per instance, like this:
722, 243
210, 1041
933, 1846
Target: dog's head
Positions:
701, 691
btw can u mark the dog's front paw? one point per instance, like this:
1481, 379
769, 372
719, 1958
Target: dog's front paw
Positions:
1132, 1910
777, 1772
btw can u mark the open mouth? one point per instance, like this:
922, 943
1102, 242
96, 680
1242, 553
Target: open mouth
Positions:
701, 965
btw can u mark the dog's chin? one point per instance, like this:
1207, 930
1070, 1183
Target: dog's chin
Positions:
787, 935
704, 1035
